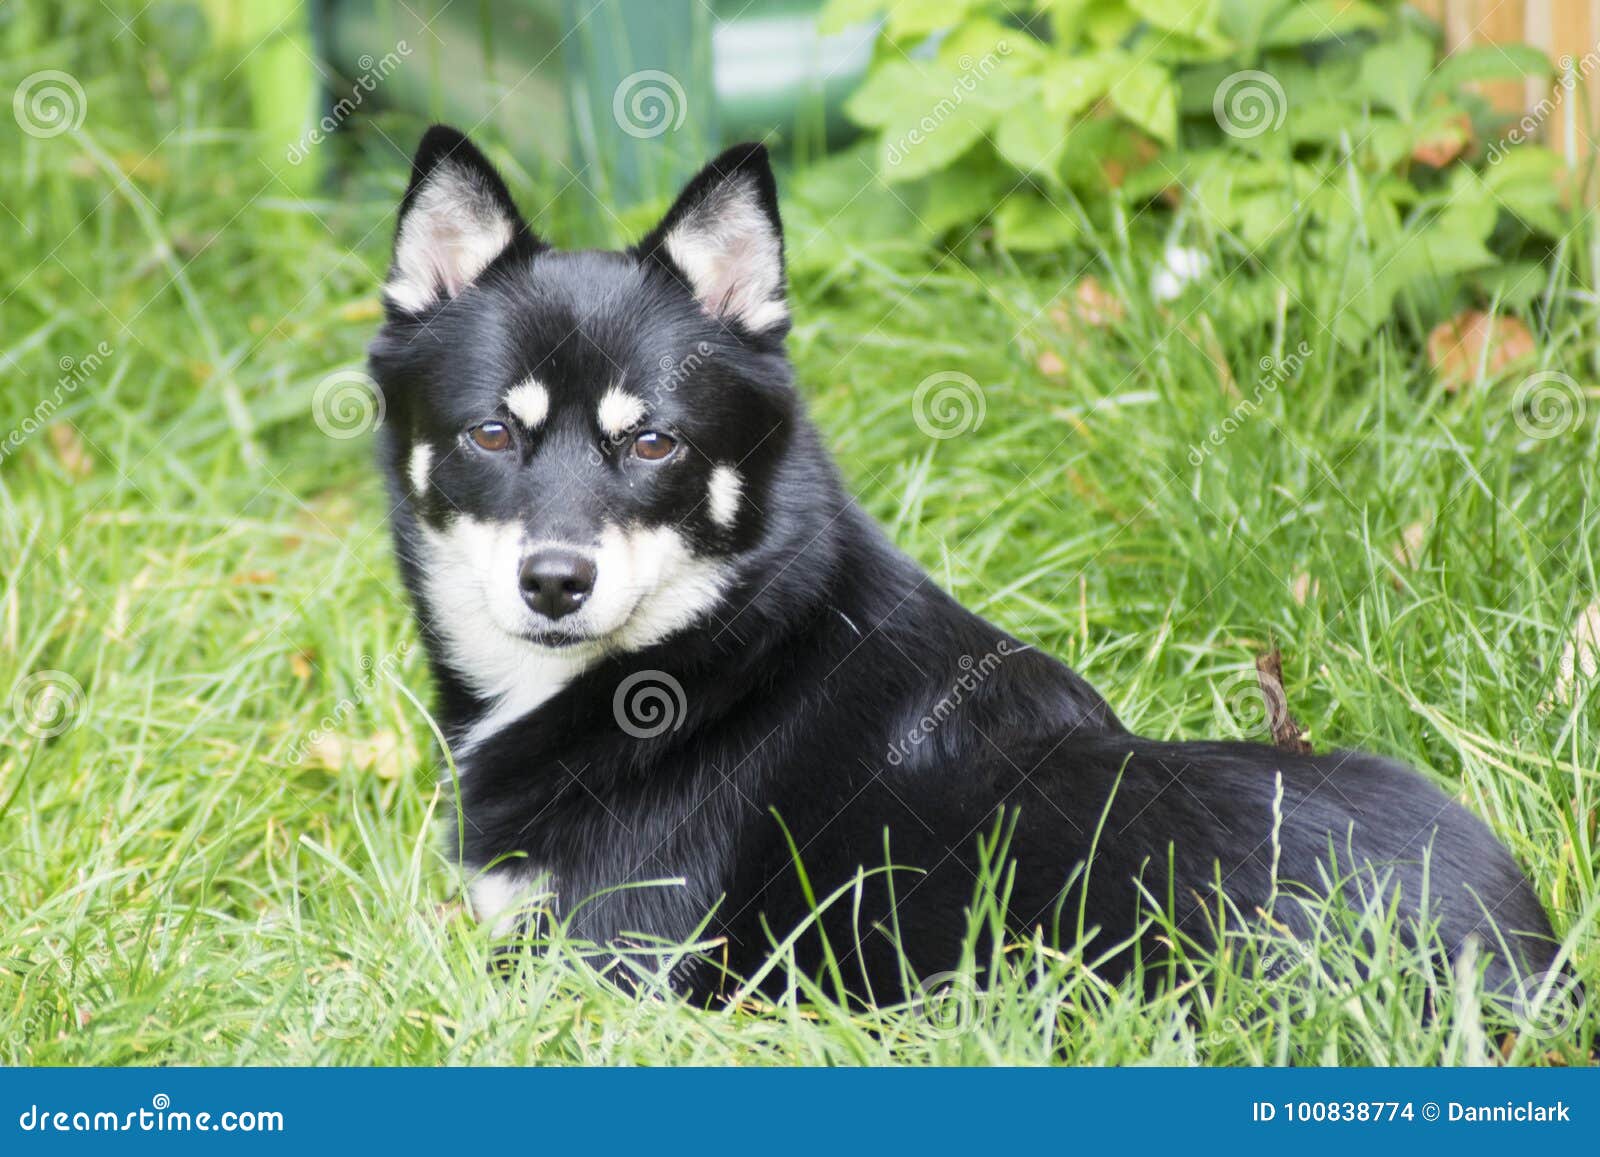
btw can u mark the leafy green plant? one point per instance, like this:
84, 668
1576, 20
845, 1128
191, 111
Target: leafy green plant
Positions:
1320, 147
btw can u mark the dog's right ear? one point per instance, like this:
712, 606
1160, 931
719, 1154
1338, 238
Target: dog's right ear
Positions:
455, 219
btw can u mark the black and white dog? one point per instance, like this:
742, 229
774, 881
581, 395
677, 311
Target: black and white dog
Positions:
691, 688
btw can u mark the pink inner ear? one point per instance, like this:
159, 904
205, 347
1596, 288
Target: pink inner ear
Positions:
452, 232
730, 252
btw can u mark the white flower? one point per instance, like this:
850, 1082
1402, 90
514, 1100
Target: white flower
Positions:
1179, 266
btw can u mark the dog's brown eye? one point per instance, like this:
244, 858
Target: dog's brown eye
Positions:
491, 435
653, 446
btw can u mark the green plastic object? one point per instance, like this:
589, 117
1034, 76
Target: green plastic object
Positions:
626, 96
272, 47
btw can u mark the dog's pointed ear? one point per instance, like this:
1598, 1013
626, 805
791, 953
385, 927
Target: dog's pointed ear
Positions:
455, 219
723, 239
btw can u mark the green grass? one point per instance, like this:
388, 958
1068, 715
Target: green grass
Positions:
211, 570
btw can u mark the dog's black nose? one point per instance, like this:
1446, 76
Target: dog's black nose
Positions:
556, 580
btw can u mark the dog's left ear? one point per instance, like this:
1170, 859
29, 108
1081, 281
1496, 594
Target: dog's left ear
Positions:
723, 239
456, 218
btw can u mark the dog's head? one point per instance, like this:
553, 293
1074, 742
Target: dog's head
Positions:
582, 440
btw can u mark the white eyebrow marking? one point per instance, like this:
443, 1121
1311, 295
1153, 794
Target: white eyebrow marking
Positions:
530, 402
723, 496
620, 412
420, 465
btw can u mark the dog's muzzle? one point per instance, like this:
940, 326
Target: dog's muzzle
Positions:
556, 580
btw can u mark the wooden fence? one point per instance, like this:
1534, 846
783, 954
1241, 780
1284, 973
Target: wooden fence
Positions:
1567, 30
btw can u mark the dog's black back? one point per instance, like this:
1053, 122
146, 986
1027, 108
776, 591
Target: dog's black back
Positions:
787, 708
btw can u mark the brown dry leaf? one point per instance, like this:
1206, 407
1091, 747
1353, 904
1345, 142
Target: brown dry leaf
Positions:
70, 451
1456, 347
383, 754
1580, 658
1090, 304
1116, 169
1287, 732
146, 168
326, 751
366, 309
254, 578
1408, 552
1051, 365
1446, 145
389, 755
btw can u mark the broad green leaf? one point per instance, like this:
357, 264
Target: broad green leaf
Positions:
1179, 48
897, 90
1394, 72
925, 144
1527, 182
1197, 18
1034, 142
1026, 222
830, 220
1469, 210
1329, 122
966, 192
1066, 18
1517, 284
1263, 216
1321, 20
987, 48
1418, 259
920, 17
1097, 147
1146, 95
1244, 21
1386, 142
837, 15
1072, 85
1109, 24
1435, 253
1488, 62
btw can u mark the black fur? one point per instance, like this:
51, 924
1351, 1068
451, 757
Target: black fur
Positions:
804, 687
